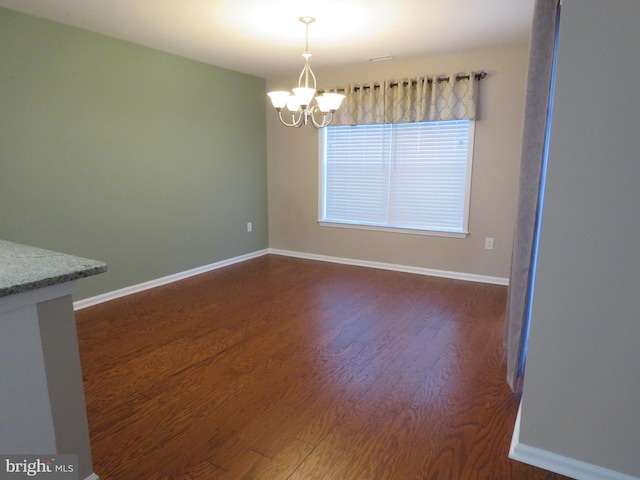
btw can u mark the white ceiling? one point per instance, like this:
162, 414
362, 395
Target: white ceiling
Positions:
264, 37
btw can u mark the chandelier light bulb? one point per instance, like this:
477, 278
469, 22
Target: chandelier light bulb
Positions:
278, 98
293, 103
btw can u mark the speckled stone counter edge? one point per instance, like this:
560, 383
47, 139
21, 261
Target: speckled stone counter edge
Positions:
24, 268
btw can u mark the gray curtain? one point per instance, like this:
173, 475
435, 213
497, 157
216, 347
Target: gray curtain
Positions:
450, 96
538, 95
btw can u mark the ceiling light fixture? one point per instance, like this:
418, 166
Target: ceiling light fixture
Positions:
299, 103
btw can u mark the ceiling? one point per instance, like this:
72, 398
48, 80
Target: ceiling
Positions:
265, 38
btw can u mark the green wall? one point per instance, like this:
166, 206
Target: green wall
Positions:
148, 161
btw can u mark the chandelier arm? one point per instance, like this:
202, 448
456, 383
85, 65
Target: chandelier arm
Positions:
313, 77
294, 123
327, 118
306, 70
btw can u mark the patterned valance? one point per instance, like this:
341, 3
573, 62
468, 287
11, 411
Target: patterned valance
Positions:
434, 97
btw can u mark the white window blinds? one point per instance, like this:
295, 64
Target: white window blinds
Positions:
405, 175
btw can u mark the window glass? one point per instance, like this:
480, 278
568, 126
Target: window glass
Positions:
410, 176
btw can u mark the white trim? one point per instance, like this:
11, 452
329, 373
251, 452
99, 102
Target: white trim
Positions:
93, 476
105, 297
378, 228
399, 268
467, 188
558, 463
140, 287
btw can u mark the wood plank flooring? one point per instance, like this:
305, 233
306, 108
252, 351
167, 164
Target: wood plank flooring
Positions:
282, 368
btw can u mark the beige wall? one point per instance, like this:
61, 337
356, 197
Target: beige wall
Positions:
292, 156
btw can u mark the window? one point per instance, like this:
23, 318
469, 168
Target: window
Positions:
414, 177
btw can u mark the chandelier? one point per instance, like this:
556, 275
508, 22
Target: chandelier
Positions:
299, 103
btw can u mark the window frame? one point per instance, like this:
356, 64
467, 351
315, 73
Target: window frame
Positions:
415, 231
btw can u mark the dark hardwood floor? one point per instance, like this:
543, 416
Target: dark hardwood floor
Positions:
282, 368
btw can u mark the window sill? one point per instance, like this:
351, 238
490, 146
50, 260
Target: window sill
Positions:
412, 231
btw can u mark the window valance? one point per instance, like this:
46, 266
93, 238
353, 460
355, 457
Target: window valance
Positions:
432, 97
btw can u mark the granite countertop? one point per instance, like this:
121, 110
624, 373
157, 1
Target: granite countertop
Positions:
24, 268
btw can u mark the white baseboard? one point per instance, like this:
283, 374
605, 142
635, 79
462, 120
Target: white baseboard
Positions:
140, 287
105, 297
399, 268
93, 476
558, 463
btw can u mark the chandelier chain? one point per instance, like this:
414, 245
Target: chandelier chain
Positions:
306, 45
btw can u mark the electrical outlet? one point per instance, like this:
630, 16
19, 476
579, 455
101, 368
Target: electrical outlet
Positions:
249, 227
488, 243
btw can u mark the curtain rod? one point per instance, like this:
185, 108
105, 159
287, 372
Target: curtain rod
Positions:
477, 76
